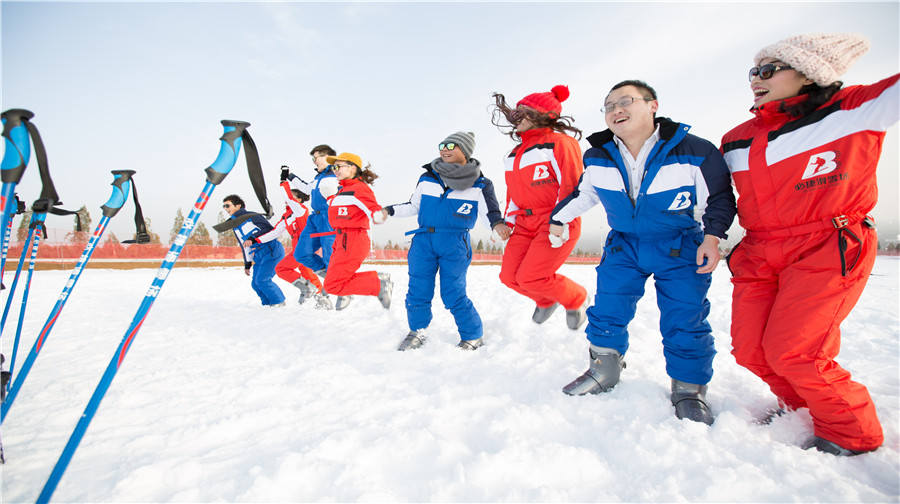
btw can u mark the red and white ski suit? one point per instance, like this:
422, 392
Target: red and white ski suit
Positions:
293, 220
541, 171
805, 186
349, 213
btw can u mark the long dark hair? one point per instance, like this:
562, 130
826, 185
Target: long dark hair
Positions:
560, 124
365, 174
817, 96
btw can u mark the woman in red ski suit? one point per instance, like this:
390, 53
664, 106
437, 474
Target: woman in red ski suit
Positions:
349, 212
293, 220
804, 169
540, 171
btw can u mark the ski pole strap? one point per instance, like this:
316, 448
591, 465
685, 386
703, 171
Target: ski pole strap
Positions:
216, 172
121, 182
235, 222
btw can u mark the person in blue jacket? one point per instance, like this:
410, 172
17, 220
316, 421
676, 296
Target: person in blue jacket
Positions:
450, 197
260, 256
318, 234
668, 199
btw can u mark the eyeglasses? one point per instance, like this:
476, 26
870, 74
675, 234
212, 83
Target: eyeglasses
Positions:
318, 156
226, 205
448, 146
766, 71
335, 166
622, 103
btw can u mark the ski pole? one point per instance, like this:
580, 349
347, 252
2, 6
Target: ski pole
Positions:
38, 222
12, 288
215, 173
15, 159
121, 185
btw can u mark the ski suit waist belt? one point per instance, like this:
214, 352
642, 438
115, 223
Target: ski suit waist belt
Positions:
660, 235
429, 229
336, 232
836, 222
530, 211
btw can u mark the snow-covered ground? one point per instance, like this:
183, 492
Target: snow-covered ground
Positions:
221, 399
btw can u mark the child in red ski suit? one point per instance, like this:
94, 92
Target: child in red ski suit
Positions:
542, 170
349, 212
804, 169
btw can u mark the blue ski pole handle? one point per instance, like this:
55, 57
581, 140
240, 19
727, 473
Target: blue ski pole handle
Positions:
228, 151
34, 250
121, 188
18, 145
216, 172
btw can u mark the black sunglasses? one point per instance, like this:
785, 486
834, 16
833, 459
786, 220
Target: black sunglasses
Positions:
767, 71
448, 146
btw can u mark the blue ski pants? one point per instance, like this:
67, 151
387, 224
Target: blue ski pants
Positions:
305, 251
448, 254
265, 257
628, 260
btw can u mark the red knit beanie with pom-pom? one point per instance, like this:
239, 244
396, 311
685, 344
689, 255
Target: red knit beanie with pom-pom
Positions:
547, 103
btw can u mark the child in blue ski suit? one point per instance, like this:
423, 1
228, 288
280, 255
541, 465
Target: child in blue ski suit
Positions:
449, 198
318, 233
261, 256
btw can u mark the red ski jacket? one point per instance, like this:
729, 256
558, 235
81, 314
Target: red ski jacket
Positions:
540, 171
801, 175
353, 205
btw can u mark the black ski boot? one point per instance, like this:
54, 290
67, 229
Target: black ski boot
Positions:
602, 375
825, 446
413, 340
541, 315
474, 344
689, 400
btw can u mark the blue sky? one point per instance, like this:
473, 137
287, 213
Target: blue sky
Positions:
142, 86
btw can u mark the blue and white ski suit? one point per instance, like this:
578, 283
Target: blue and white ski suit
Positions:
263, 256
685, 181
323, 186
442, 245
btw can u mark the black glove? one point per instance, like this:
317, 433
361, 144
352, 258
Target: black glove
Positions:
284, 172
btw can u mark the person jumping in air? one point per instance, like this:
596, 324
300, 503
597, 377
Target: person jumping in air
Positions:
293, 220
449, 198
540, 171
317, 235
259, 255
804, 169
349, 212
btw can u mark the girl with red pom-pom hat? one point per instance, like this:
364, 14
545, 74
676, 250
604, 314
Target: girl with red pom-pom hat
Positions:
540, 171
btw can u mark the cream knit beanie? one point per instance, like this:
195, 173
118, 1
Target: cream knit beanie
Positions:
821, 57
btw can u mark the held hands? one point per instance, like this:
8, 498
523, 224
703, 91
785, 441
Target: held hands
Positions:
558, 235
501, 232
709, 251
380, 216
247, 243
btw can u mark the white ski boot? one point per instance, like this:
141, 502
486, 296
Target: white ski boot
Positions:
305, 288
474, 344
322, 301
576, 318
384, 294
541, 315
342, 302
413, 340
602, 375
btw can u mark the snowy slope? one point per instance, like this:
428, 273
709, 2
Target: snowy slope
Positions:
221, 399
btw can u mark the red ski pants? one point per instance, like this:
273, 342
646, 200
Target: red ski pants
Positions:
788, 303
348, 253
289, 270
530, 263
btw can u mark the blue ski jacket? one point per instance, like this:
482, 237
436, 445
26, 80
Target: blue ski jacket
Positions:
686, 182
251, 229
440, 208
322, 186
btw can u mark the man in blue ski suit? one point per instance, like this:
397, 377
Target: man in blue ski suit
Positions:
259, 255
318, 233
657, 183
450, 197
